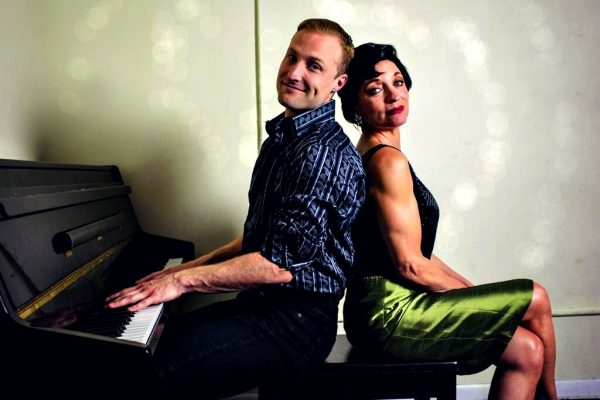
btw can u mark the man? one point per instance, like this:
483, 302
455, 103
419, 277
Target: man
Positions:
289, 264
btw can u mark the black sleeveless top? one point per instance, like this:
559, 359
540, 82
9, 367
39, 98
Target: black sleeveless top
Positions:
371, 253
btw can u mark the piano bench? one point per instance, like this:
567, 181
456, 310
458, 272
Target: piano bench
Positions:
345, 375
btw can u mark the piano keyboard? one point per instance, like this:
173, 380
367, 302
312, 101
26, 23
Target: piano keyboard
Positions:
142, 323
125, 325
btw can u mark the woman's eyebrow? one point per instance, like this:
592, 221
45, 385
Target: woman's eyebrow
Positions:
376, 79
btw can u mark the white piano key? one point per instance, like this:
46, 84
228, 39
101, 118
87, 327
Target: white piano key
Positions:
173, 262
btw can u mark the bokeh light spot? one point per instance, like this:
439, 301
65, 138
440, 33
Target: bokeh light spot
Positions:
163, 51
553, 56
99, 16
84, 31
497, 122
542, 38
418, 34
464, 196
494, 93
341, 11
79, 68
247, 120
155, 101
271, 39
452, 224
534, 15
543, 231
532, 257
566, 137
113, 5
216, 155
247, 150
177, 70
172, 98
70, 102
211, 26
476, 52
381, 15
399, 20
362, 14
189, 113
566, 164
188, 10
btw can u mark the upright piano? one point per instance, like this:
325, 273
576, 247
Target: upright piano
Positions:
69, 237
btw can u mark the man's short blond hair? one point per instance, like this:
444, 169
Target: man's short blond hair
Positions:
328, 27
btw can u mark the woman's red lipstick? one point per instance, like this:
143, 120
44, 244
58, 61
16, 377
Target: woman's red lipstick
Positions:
396, 110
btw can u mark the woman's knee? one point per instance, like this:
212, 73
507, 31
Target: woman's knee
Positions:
524, 352
540, 306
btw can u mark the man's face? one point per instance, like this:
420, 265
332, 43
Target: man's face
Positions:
308, 74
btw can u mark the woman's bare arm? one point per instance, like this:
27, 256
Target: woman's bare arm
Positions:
449, 271
390, 186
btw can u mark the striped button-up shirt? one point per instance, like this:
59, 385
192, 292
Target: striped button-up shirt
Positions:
307, 187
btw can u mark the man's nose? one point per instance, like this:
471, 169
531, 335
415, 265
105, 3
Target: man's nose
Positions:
295, 72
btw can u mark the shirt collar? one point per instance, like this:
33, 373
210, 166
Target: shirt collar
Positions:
299, 124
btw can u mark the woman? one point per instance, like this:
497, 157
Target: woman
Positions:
404, 302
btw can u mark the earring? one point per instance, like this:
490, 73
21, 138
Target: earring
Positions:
357, 119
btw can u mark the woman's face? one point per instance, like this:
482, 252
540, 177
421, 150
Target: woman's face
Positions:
383, 100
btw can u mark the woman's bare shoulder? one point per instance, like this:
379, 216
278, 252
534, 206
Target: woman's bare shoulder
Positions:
389, 160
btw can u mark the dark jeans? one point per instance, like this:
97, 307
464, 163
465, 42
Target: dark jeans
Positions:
228, 347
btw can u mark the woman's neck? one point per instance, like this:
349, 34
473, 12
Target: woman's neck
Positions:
389, 137
369, 139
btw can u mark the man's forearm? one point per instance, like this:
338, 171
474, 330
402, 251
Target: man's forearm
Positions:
243, 272
224, 253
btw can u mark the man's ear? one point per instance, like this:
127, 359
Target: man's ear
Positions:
340, 82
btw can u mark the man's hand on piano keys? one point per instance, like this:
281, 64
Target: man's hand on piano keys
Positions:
147, 292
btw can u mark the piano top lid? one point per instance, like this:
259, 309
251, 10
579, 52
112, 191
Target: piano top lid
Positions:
20, 173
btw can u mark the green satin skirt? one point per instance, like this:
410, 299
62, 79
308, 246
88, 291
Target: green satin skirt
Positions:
472, 326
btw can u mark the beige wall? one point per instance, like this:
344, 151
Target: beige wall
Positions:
503, 125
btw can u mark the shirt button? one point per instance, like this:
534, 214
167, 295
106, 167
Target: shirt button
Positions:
299, 315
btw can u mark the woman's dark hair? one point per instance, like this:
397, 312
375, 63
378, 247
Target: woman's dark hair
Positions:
361, 68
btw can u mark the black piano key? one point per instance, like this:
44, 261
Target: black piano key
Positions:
107, 323
106, 331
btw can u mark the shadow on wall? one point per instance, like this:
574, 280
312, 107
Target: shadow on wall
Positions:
170, 194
